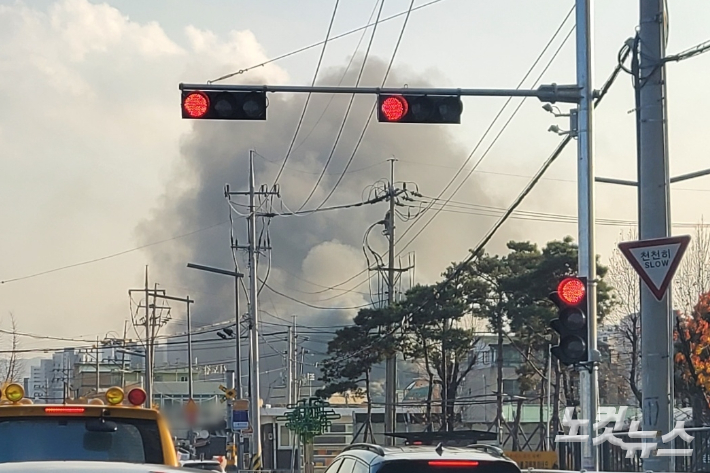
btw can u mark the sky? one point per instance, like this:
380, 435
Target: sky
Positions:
98, 164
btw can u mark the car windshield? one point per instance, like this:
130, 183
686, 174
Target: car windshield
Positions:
78, 438
462, 465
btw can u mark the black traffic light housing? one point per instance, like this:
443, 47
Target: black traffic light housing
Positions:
419, 108
223, 105
571, 322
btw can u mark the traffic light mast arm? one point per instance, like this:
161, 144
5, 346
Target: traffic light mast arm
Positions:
546, 93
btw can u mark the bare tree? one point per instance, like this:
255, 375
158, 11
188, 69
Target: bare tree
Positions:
10, 366
626, 283
693, 277
692, 280
630, 330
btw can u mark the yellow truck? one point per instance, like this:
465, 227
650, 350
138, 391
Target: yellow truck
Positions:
116, 429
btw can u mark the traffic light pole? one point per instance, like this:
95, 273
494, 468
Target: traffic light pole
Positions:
589, 383
551, 93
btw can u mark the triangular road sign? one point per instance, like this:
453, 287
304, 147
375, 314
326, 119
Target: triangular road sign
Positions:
656, 260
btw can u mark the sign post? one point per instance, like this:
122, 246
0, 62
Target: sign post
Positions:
240, 415
656, 260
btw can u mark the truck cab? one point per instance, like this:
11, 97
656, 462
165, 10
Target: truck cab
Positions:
116, 429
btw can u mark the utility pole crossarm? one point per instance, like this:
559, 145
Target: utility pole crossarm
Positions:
551, 93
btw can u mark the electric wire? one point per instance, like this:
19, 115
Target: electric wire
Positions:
697, 50
347, 110
476, 252
463, 166
315, 45
499, 134
372, 111
312, 305
310, 94
340, 82
114, 255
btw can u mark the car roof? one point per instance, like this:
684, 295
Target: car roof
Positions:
373, 453
85, 466
89, 410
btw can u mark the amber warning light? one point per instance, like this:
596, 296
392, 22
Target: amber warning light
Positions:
571, 291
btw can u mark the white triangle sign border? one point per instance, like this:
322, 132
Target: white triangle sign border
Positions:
660, 289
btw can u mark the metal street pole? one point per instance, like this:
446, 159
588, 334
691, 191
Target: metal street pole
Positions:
237, 345
587, 252
654, 222
234, 453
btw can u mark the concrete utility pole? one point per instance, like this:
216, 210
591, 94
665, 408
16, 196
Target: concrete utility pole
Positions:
253, 249
654, 222
190, 394
98, 367
148, 347
150, 323
290, 391
391, 363
589, 384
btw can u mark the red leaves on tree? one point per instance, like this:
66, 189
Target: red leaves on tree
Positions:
692, 337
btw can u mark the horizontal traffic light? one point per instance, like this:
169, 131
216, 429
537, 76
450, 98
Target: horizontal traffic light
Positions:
419, 108
218, 105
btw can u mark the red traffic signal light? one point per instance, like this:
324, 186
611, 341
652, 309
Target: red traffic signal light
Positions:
571, 322
218, 105
571, 291
196, 104
419, 108
394, 108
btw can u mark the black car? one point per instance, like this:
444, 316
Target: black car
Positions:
368, 458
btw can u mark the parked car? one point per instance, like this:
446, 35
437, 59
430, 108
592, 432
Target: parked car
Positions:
209, 465
368, 458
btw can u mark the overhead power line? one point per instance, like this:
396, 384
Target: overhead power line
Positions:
307, 304
501, 131
315, 45
689, 53
372, 111
308, 98
521, 197
114, 255
485, 134
347, 112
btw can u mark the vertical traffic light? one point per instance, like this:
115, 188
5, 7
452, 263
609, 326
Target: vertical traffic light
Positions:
211, 105
419, 108
571, 322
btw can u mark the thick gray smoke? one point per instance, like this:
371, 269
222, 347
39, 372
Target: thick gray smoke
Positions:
314, 251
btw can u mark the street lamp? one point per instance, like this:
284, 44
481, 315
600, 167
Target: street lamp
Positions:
238, 348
